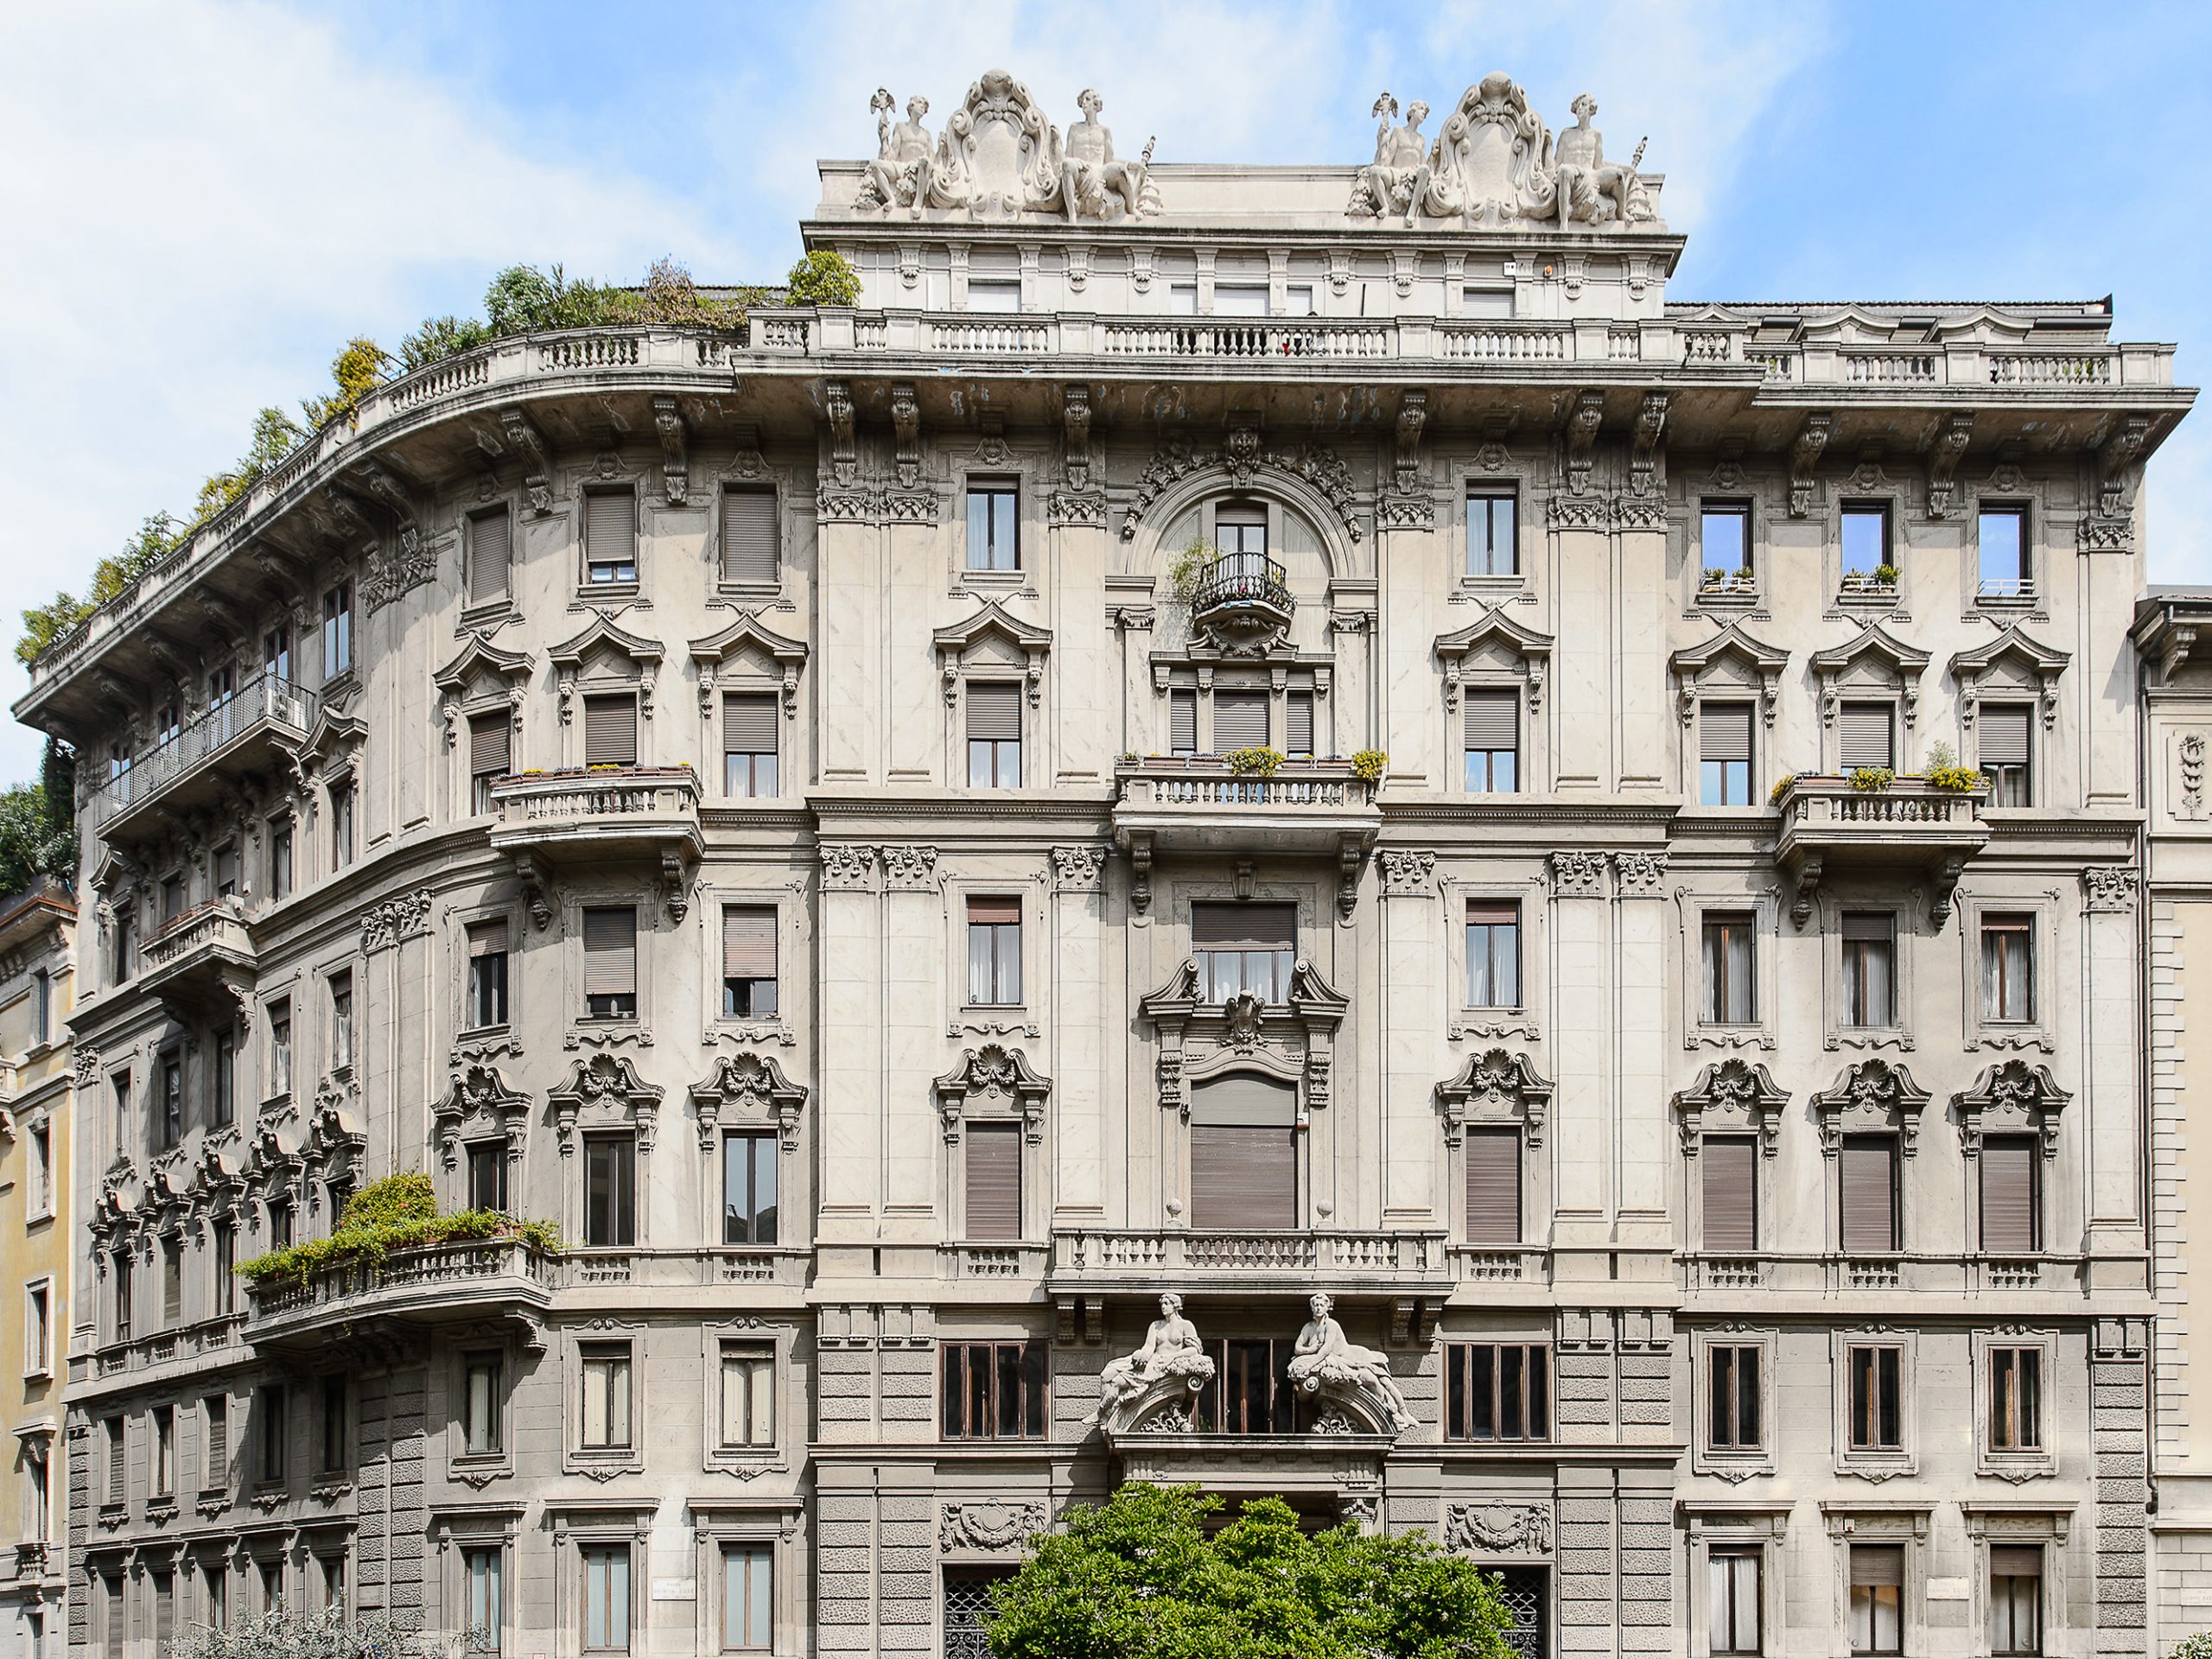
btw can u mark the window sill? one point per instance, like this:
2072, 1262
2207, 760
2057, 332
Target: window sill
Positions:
1877, 1465
749, 593
1751, 1036
484, 1033
490, 610
1491, 587
590, 590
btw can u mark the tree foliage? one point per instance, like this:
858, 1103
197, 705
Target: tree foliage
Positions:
327, 1635
823, 277
1138, 1574
38, 829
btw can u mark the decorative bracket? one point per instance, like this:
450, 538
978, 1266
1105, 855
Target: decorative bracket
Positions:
1582, 437
1644, 452
1944, 453
1804, 457
675, 467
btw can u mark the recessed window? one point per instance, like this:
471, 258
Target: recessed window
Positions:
1724, 737
2002, 536
164, 1470
1183, 723
2015, 1599
1732, 1397
606, 1375
223, 1108
2008, 978
750, 730
2012, 1195
1493, 954
1869, 949
341, 824
1874, 1377
1491, 721
215, 1448
750, 1188
993, 526
1243, 1143
1243, 947
1496, 1391
1240, 299
40, 1199
1493, 1153
336, 630
1867, 1172
1867, 735
995, 951
171, 1099
1493, 549
341, 1021
1298, 725
1000, 296
172, 899
172, 1280
270, 1410
486, 1601
276, 654
749, 986
752, 544
610, 1191
748, 1605
1486, 304
336, 1439
280, 1223
226, 1253
992, 1154
38, 1329
1240, 720
611, 538
226, 870
488, 761
611, 730
2005, 728
280, 858
1730, 962
1865, 540
487, 972
119, 1469
994, 735
994, 1390
1729, 1187
611, 963
748, 1396
1241, 537
1877, 1599
483, 1404
1725, 537
490, 553
607, 1598
2015, 1399
487, 1175
1733, 1591
280, 1047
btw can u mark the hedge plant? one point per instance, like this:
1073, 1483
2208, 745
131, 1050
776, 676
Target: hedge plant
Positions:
397, 1213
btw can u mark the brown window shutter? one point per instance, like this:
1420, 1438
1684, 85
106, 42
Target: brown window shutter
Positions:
1493, 719
611, 731
1723, 731
1183, 723
610, 952
2015, 1561
1731, 1181
1243, 1176
2008, 1196
1493, 1186
994, 1180
993, 712
1869, 1194
1297, 723
1877, 1564
993, 911
2004, 735
1870, 926
1868, 731
748, 941
748, 723
488, 745
491, 549
750, 543
227, 866
488, 938
611, 526
1243, 927
1492, 913
1240, 720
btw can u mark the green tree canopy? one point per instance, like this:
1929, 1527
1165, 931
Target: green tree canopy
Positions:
1139, 1575
38, 826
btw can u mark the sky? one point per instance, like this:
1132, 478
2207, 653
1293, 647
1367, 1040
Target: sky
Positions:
206, 199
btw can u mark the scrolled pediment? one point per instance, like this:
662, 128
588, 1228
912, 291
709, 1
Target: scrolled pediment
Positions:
606, 1087
1732, 1094
1497, 638
993, 1073
1733, 659
748, 1083
1871, 1094
2011, 1095
1495, 1086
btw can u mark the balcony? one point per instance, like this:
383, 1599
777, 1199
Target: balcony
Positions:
404, 1295
1831, 827
1823, 1275
1241, 597
201, 958
602, 812
1199, 803
1291, 1264
252, 732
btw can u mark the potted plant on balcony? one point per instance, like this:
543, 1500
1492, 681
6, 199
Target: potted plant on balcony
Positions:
398, 1212
1781, 787
1254, 763
1186, 566
1368, 764
1944, 771
1871, 780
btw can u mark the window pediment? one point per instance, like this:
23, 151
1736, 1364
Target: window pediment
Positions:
604, 654
1871, 1094
1732, 662
992, 638
605, 1090
2015, 661
1874, 658
1494, 645
748, 647
992, 1078
2011, 1095
1495, 1087
747, 1085
1732, 1094
480, 1097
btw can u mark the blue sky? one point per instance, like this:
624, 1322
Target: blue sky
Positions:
207, 199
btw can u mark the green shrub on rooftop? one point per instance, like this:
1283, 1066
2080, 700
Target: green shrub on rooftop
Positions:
397, 1213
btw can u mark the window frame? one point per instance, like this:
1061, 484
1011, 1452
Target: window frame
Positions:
1881, 1461
471, 523
1490, 492
764, 1146
1734, 1462
592, 1355
1717, 925
586, 583
2040, 911
1459, 1426
725, 486
990, 488
622, 1225
2026, 589
1740, 587
1005, 954
998, 759
2015, 1463
1033, 1373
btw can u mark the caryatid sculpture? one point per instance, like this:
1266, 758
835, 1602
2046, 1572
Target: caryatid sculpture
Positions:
1398, 177
905, 162
1093, 185
1585, 185
1171, 1352
1324, 1357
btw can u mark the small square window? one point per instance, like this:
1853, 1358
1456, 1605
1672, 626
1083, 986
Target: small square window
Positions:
1724, 540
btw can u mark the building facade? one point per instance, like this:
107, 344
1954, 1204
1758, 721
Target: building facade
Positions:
37, 1108
1264, 826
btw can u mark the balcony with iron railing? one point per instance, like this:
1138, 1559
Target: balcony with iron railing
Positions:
1241, 595
249, 732
598, 812
403, 1293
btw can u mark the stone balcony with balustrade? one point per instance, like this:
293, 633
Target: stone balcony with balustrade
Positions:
1828, 1277
598, 812
202, 956
406, 1295
1344, 1262
1191, 803
1830, 827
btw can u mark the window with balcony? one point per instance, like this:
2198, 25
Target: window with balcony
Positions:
488, 751
1731, 1397
341, 1020
1877, 1599
1493, 954
750, 730
483, 1405
1493, 1154
1731, 968
607, 1597
1724, 737
749, 1187
487, 973
749, 1397
752, 550
1240, 299
1251, 1392
611, 730
270, 1433
1496, 1391
336, 630
994, 951
280, 1223
2015, 1399
1874, 1375
1240, 720
1245, 946
2015, 1599
610, 1191
605, 1369
748, 1603
226, 870
1867, 1194
994, 735
341, 824
280, 858
172, 899
1869, 951
992, 1155
491, 556
1183, 723
2008, 979
1725, 544
2002, 538
1243, 1155
2005, 730
994, 522
1866, 555
1491, 734
998, 296
484, 1569
611, 963
1728, 1185
2012, 1195
280, 1047
749, 987
168, 724
1298, 725
610, 538
487, 1174
993, 1390
1493, 549
1733, 1601
1867, 736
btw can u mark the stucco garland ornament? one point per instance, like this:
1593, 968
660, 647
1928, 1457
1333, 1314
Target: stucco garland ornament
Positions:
1171, 1352
1324, 1356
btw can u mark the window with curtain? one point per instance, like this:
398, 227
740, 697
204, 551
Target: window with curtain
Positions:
1867, 1172
1493, 550
2012, 1195
605, 1371
487, 972
1493, 1153
991, 1153
491, 554
483, 1404
752, 544
487, 1174
1493, 954
995, 951
1243, 1154
610, 1191
1867, 735
1731, 964
1492, 733
748, 1607
488, 756
1731, 1391
2008, 980
1732, 1597
993, 525
750, 729
1244, 946
748, 1396
1869, 949
2015, 1399
1496, 1391
749, 977
1874, 1377
993, 1390
2006, 729
1724, 737
611, 538
486, 1601
607, 1598
341, 1020
2015, 1599
1877, 1599
1729, 1186
611, 729
611, 963
2002, 538
994, 735
749, 1187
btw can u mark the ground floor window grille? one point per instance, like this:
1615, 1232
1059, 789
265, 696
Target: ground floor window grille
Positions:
1525, 1592
967, 1605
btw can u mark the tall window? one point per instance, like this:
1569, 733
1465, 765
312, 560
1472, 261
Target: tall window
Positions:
1724, 737
126, 941
38, 1328
1493, 550
280, 1223
1298, 725
993, 1154
276, 653
171, 1099
334, 1437
750, 544
280, 1047
488, 1613
1729, 1186
490, 554
994, 1390
1493, 1185
748, 1188
1732, 1397
341, 1020
994, 951
1240, 532
2008, 977
341, 824
226, 870
164, 1471
1492, 722
1733, 1591
1725, 537
611, 538
1877, 1594
611, 730
223, 1108
269, 1403
38, 1492
994, 735
1868, 1177
280, 858
1246, 946
1183, 723
607, 1396
1243, 1142
1493, 954
1877, 1399
119, 1467
225, 1234
2015, 1599
1496, 1391
747, 1605
215, 1449
2005, 730
748, 1398
749, 732
119, 1087
487, 1174
611, 963
993, 526
1865, 539
2012, 1195
172, 1280
487, 972
336, 630
1868, 736
1869, 945
2003, 538
610, 1191
2015, 1399
749, 962
483, 1405
607, 1598
41, 1007
488, 741
41, 1197
1731, 968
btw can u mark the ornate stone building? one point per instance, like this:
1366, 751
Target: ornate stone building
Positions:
1302, 738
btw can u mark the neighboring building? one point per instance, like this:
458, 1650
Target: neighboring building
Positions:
765, 803
37, 1104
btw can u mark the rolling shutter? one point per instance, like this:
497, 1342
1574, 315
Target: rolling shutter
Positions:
750, 544
748, 723
1182, 722
1494, 1186
993, 713
1877, 1564
1725, 732
1869, 1195
1866, 735
994, 912
1731, 1196
1243, 1154
1240, 720
611, 527
490, 548
1297, 723
1243, 927
2015, 1561
1493, 720
487, 744
611, 731
2008, 1196
748, 941
488, 938
610, 952
2004, 735
994, 1180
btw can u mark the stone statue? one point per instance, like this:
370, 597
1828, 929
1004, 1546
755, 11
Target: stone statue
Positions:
1093, 185
1171, 1349
1324, 1356
905, 164
1585, 185
1397, 180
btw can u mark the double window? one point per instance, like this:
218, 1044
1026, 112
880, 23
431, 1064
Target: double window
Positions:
606, 1421
748, 1603
2015, 1399
2015, 1599
1493, 954
994, 521
994, 1390
1491, 734
487, 1175
336, 630
748, 1396
994, 951
1246, 946
271, 1411
1732, 1397
1496, 1391
341, 1021
1493, 550
1874, 1377
610, 538
483, 1405
1877, 1599
341, 824
607, 1598
749, 989
994, 735
1733, 1592
1244, 1153
486, 1571
487, 973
